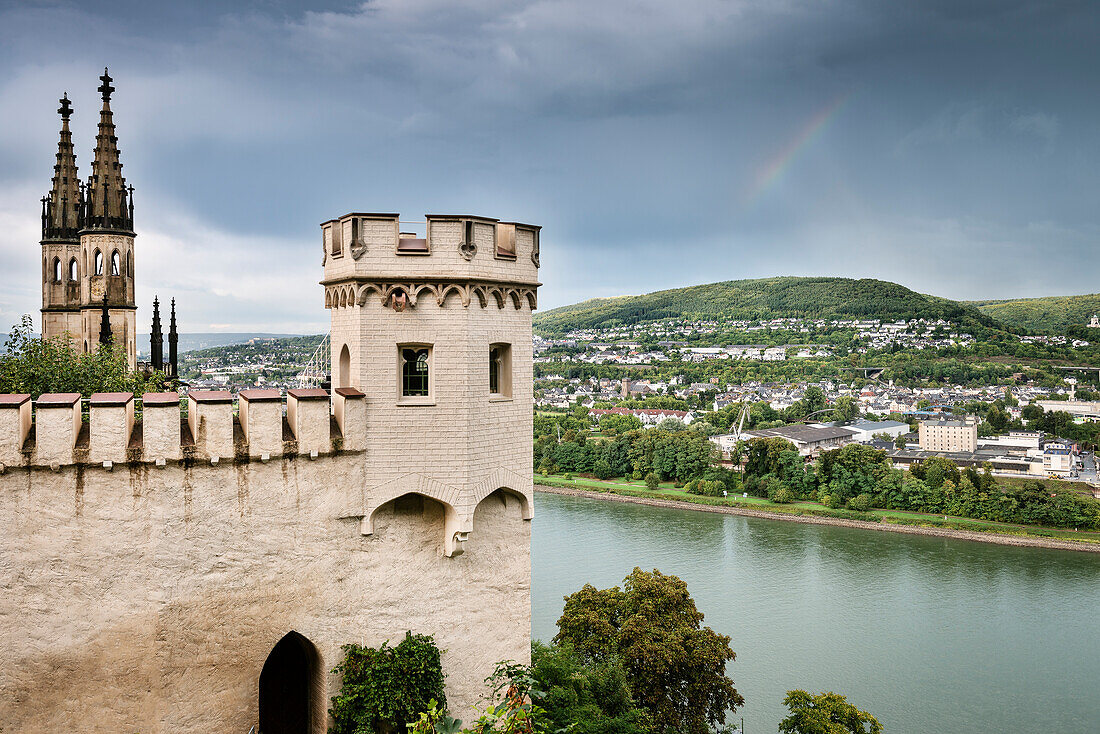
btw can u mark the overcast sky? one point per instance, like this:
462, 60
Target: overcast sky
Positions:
950, 145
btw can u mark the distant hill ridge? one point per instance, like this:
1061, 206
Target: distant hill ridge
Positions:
1051, 313
765, 298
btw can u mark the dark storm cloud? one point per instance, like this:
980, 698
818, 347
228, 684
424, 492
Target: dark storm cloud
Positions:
946, 145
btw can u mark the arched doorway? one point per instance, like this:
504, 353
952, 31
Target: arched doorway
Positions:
289, 688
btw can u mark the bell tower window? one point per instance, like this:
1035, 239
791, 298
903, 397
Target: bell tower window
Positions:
73, 271
116, 267
415, 361
56, 270
97, 258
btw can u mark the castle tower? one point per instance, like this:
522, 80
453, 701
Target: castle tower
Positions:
107, 241
61, 257
436, 331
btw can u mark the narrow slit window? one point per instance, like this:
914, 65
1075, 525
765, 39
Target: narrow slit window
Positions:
494, 370
414, 371
500, 370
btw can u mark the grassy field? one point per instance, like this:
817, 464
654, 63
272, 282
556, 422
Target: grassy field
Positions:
899, 517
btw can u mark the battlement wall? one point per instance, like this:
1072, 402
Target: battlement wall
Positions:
205, 426
153, 595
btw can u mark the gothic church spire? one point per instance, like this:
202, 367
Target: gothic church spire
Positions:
61, 207
105, 335
109, 202
156, 338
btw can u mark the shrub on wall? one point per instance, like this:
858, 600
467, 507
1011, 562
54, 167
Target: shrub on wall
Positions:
384, 689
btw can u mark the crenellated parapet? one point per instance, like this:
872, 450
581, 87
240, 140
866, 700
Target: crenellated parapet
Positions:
60, 429
476, 260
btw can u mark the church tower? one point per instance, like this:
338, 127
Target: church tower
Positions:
61, 257
107, 243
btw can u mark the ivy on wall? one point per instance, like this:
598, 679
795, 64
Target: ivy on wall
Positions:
384, 689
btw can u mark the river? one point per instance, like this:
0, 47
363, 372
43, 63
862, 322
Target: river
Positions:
928, 634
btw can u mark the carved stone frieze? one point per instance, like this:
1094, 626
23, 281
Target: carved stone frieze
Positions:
344, 295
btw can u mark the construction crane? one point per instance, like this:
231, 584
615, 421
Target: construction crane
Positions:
315, 373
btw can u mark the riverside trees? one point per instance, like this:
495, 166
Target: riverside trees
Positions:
678, 454
859, 478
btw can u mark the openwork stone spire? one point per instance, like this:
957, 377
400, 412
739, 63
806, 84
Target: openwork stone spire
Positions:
156, 338
173, 343
109, 203
105, 335
61, 207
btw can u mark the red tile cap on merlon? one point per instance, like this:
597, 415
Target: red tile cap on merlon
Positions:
14, 401
308, 393
105, 399
349, 392
211, 396
160, 398
260, 396
58, 399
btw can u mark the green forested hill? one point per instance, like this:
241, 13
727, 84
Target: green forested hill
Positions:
827, 298
1053, 313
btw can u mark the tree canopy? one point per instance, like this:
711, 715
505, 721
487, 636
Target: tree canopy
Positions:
825, 713
674, 665
36, 365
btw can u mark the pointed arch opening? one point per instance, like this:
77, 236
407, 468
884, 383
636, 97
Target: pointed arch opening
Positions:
57, 270
343, 368
116, 263
292, 688
97, 259
74, 271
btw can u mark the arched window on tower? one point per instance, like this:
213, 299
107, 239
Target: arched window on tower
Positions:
116, 263
57, 270
97, 258
343, 372
74, 271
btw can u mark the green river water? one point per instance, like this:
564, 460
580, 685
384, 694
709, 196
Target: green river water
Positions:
928, 634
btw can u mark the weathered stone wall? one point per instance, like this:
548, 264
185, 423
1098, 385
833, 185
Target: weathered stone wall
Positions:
147, 594
148, 599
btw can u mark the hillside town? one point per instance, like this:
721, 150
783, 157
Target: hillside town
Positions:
660, 341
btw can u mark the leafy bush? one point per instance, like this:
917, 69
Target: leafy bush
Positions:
385, 689
583, 698
603, 470
705, 487
516, 713
652, 482
36, 365
782, 495
860, 503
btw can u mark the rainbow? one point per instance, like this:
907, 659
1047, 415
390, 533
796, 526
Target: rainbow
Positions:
770, 173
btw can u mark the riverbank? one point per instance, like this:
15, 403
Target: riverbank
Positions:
883, 524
